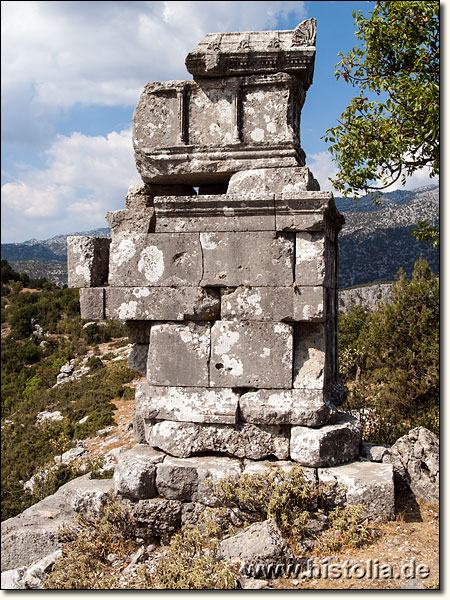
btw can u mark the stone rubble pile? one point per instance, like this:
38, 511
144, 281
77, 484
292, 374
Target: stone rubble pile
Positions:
223, 264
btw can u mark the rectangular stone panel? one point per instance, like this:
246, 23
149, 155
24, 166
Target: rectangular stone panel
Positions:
294, 182
179, 354
309, 356
308, 303
87, 261
308, 408
155, 259
310, 258
192, 404
302, 211
214, 213
256, 259
92, 303
162, 303
251, 354
127, 220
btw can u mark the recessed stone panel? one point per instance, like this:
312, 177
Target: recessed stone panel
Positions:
309, 356
87, 261
92, 303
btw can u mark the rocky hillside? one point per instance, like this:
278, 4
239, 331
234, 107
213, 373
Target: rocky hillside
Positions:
369, 296
374, 243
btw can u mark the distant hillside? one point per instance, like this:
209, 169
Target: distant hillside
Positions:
374, 243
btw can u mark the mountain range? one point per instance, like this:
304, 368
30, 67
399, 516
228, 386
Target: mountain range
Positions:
374, 243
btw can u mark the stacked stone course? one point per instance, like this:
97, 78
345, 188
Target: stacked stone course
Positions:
224, 266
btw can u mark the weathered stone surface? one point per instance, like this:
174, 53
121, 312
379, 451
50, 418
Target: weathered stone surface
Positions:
162, 303
154, 517
304, 211
135, 473
12, 579
179, 354
366, 483
255, 258
138, 332
243, 441
87, 261
193, 479
212, 213
137, 359
251, 354
309, 356
247, 303
310, 259
134, 220
308, 408
415, 458
257, 183
204, 131
256, 52
327, 446
374, 452
261, 467
259, 543
191, 404
155, 259
92, 303
33, 534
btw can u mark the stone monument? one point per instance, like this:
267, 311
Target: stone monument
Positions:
223, 264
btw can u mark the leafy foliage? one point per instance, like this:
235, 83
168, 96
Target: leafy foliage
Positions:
390, 359
391, 127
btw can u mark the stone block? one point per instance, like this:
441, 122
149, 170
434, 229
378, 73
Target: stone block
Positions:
179, 354
154, 517
374, 452
193, 479
308, 303
309, 356
327, 446
258, 544
138, 332
92, 303
308, 408
213, 213
255, 259
196, 405
162, 303
304, 211
155, 259
242, 441
362, 483
251, 354
137, 359
135, 472
261, 467
255, 183
87, 261
258, 304
128, 220
310, 259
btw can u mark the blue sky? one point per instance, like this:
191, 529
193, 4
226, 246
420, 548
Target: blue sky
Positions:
72, 73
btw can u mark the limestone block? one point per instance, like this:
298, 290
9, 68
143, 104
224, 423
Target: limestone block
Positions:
212, 213
196, 405
135, 473
155, 259
308, 408
366, 483
260, 182
154, 517
193, 479
243, 440
261, 467
162, 303
310, 258
137, 359
374, 452
179, 354
327, 446
255, 259
142, 196
204, 131
304, 211
138, 332
308, 303
92, 303
131, 220
258, 304
260, 543
309, 356
251, 354
87, 261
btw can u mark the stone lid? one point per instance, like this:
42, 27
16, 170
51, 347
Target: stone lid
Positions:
228, 54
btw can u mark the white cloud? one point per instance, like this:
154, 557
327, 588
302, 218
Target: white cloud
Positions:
83, 179
59, 54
